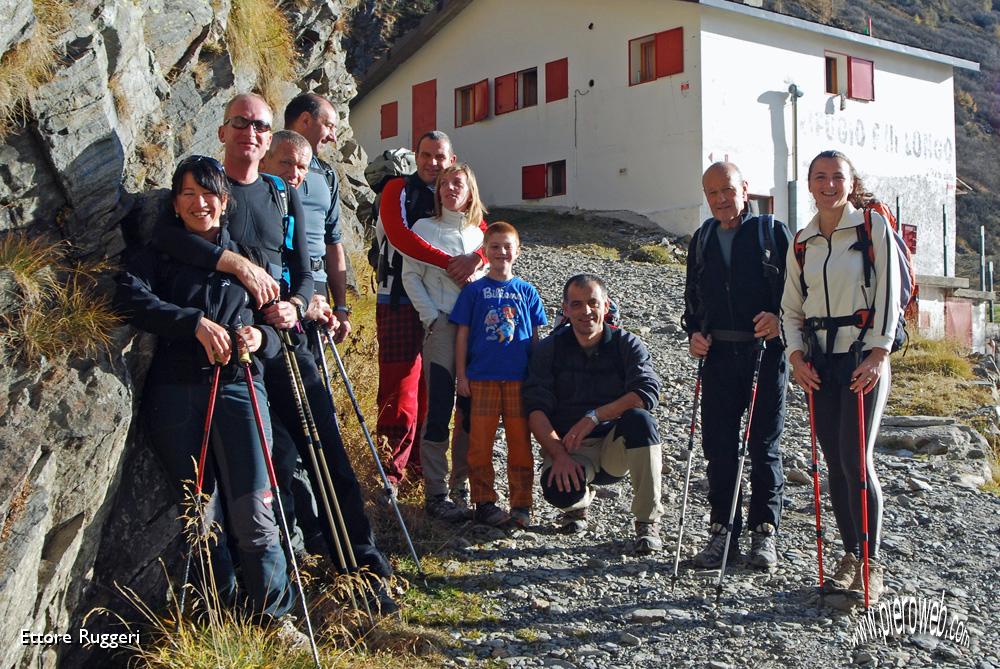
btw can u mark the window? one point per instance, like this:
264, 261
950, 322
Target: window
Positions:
557, 80
424, 112
762, 204
515, 91
472, 103
390, 120
527, 87
543, 180
654, 56
849, 76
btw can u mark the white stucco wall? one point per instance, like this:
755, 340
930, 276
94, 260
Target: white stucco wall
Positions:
903, 142
632, 146
642, 148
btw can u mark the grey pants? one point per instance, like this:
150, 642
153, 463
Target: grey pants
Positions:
439, 375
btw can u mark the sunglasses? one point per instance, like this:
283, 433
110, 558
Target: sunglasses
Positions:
241, 122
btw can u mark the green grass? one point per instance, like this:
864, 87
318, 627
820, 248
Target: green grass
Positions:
260, 41
58, 312
30, 63
653, 253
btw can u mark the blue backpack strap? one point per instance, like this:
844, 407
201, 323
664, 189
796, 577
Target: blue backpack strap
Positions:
287, 220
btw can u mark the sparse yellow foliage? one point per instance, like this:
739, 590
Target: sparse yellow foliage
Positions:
260, 42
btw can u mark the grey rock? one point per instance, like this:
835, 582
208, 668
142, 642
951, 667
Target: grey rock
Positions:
798, 476
17, 21
918, 484
628, 639
933, 439
646, 616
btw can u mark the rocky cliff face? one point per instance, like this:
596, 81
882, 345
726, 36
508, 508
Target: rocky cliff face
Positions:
139, 84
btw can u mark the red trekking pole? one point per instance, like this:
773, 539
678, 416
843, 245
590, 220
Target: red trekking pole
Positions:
276, 495
815, 477
199, 482
862, 447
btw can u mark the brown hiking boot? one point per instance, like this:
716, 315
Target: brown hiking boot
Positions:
876, 581
844, 576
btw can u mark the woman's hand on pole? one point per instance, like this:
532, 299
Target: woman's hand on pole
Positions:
803, 373
215, 340
250, 338
866, 376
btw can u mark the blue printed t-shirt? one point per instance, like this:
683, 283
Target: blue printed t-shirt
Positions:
501, 317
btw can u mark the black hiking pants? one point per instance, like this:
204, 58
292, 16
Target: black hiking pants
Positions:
726, 379
345, 482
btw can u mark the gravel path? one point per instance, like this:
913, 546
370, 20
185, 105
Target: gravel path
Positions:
587, 601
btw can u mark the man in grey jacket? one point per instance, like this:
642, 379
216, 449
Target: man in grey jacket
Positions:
588, 395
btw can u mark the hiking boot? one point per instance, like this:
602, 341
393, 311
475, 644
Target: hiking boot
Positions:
442, 508
876, 582
842, 578
711, 556
520, 516
647, 538
460, 496
573, 522
379, 599
289, 635
763, 546
488, 513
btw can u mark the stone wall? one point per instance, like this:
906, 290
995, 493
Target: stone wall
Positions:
141, 83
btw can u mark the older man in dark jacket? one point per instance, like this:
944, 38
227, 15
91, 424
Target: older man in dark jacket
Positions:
588, 395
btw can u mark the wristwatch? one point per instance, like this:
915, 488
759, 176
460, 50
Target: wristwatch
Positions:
343, 308
592, 415
300, 311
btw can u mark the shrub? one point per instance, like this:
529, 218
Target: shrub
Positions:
260, 41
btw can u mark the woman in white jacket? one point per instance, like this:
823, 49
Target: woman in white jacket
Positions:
839, 328
455, 230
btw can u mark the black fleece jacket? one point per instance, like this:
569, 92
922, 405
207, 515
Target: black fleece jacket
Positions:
727, 298
168, 298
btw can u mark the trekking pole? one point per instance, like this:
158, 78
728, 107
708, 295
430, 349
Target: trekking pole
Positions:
389, 492
331, 506
199, 482
815, 477
739, 468
862, 447
687, 475
276, 494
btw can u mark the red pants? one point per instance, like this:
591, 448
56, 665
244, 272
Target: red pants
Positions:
402, 394
490, 400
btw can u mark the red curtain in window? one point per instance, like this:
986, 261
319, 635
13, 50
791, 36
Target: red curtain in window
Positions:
533, 182
390, 120
860, 79
424, 117
669, 52
557, 80
505, 93
481, 100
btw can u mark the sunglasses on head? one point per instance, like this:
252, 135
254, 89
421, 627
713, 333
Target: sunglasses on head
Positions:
194, 160
241, 122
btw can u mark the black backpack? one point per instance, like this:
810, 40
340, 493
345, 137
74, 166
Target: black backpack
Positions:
769, 250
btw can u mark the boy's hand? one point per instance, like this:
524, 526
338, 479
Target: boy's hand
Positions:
462, 387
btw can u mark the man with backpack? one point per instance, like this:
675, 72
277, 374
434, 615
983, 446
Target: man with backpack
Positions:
735, 276
402, 393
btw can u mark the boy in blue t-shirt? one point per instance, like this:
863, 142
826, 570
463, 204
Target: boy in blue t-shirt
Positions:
498, 318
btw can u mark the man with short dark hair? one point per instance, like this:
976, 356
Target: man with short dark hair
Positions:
313, 117
733, 293
588, 395
402, 393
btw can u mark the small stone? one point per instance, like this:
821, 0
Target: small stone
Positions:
627, 639
597, 563
798, 476
863, 657
918, 484
925, 642
646, 616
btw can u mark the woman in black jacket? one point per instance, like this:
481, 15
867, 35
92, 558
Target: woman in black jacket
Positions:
198, 315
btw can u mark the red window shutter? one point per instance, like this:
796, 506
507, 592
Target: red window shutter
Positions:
390, 119
557, 80
505, 93
481, 100
424, 117
669, 52
533, 182
860, 79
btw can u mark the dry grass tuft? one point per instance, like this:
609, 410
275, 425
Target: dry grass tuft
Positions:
31, 63
933, 379
260, 41
58, 311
